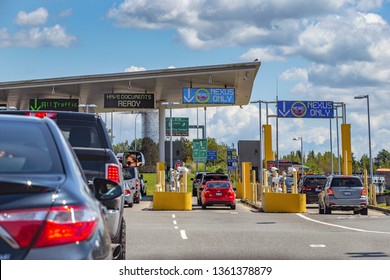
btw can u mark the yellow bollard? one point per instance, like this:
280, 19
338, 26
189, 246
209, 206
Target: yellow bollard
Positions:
246, 167
373, 191
366, 182
295, 186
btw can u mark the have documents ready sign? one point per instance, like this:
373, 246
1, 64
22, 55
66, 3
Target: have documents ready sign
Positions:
208, 95
129, 100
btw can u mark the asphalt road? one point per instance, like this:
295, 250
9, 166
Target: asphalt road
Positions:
246, 234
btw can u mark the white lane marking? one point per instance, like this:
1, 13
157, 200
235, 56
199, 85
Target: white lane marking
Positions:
176, 227
183, 234
344, 227
173, 216
234, 213
174, 222
317, 246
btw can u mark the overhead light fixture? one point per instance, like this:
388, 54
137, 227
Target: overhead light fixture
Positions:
246, 77
129, 85
210, 80
53, 91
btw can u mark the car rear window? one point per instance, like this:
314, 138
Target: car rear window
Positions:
310, 182
128, 173
80, 134
28, 148
346, 182
215, 177
218, 185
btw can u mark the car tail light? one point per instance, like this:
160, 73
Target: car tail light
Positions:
363, 193
127, 191
113, 172
306, 188
61, 225
137, 183
330, 192
40, 114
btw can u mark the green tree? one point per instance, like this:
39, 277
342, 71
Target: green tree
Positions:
382, 159
151, 153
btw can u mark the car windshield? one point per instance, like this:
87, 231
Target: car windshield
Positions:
346, 182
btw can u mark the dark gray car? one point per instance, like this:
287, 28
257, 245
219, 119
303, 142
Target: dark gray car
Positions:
342, 192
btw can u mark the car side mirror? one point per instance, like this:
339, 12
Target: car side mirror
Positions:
106, 189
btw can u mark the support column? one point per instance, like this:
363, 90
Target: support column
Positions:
161, 133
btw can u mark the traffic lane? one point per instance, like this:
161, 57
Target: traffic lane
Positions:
279, 236
220, 233
375, 221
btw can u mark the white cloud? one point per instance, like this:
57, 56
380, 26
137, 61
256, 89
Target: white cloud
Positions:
39, 37
134, 69
35, 18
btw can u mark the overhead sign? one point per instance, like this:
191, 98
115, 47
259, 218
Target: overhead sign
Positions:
199, 150
179, 126
208, 95
212, 155
38, 104
305, 109
129, 100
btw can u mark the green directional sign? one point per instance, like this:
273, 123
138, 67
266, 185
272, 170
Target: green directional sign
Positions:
199, 150
38, 104
179, 126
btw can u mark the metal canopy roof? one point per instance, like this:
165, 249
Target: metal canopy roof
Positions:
166, 85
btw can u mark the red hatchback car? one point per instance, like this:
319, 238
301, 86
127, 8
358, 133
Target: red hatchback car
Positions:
218, 193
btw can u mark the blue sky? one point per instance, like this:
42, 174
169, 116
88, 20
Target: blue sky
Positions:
310, 50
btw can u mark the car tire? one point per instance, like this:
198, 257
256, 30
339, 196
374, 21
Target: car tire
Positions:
122, 240
233, 206
320, 209
328, 210
364, 211
130, 205
199, 202
203, 206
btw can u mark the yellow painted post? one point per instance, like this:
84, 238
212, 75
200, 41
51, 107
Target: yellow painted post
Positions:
346, 149
295, 178
184, 180
246, 179
284, 182
268, 153
254, 187
366, 181
160, 166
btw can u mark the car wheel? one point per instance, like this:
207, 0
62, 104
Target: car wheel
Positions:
233, 206
199, 202
364, 211
130, 205
355, 212
320, 209
203, 206
123, 241
328, 210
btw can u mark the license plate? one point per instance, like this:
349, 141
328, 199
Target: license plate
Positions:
347, 193
218, 194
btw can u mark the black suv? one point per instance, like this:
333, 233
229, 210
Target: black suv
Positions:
196, 181
311, 185
87, 134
